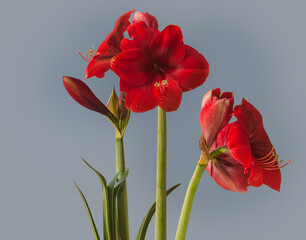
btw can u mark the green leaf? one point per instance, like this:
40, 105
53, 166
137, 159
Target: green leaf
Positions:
93, 225
117, 187
121, 181
112, 206
146, 221
106, 208
110, 218
112, 183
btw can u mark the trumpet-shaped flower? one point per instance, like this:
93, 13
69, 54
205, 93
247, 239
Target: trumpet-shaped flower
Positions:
242, 154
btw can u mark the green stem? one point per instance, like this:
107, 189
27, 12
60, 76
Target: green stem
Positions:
185, 214
161, 177
122, 201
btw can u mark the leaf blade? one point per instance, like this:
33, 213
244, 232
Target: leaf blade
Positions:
92, 222
106, 212
146, 221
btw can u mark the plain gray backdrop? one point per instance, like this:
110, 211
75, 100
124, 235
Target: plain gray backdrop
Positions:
255, 49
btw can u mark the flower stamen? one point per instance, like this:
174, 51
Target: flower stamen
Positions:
270, 161
88, 56
164, 82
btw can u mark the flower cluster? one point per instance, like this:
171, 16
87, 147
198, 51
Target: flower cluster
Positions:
154, 66
241, 153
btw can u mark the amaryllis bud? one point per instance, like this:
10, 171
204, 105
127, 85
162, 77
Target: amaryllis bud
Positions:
121, 106
149, 20
217, 108
82, 94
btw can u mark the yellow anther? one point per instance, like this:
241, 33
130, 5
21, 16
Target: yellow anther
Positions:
88, 56
164, 82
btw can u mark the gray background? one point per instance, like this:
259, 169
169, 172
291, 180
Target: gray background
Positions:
255, 49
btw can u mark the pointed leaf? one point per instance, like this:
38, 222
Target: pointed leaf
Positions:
93, 225
146, 221
112, 206
106, 209
117, 187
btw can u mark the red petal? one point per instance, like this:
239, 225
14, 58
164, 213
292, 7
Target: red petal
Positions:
167, 48
168, 94
239, 146
229, 175
191, 72
108, 48
251, 120
113, 40
248, 116
210, 96
149, 19
98, 66
222, 138
213, 118
272, 178
216, 112
82, 94
138, 99
142, 36
256, 176
134, 66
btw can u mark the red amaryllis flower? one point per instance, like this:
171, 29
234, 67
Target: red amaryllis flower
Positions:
217, 108
250, 159
99, 62
156, 67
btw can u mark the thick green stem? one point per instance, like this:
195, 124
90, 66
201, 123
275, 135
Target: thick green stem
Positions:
122, 201
161, 178
185, 214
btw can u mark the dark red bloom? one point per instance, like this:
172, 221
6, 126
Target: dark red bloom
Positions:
250, 159
99, 62
156, 67
217, 108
